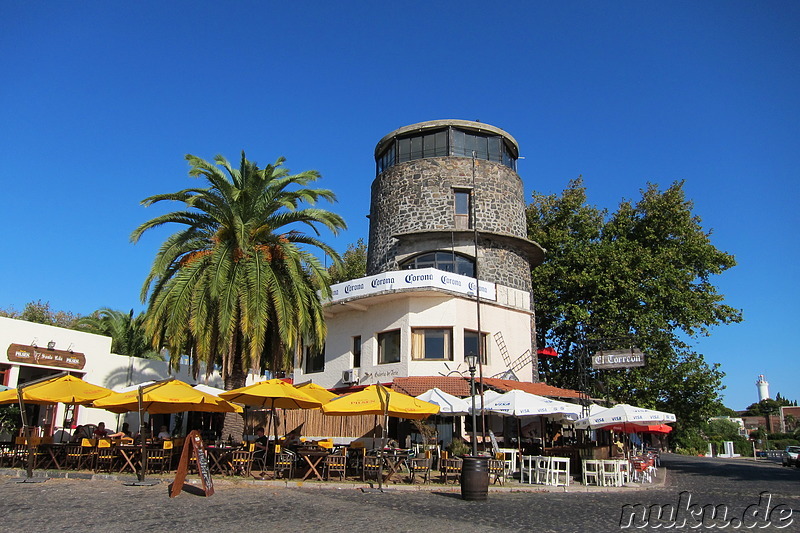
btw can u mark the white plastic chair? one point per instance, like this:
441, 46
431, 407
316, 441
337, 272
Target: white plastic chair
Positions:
612, 473
592, 470
527, 469
541, 469
559, 471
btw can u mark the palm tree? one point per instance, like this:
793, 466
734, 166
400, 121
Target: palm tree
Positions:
127, 333
238, 286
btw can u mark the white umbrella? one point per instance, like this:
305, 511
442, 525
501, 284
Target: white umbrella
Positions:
625, 414
488, 397
208, 390
520, 403
449, 405
576, 411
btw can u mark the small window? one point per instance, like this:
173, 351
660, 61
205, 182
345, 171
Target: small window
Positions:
432, 344
356, 351
389, 347
471, 345
462, 209
315, 360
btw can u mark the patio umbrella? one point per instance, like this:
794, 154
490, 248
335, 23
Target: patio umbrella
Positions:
66, 389
625, 414
162, 397
62, 388
520, 403
448, 404
316, 392
372, 401
272, 394
379, 400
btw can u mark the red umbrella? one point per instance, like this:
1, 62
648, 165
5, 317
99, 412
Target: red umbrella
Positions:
640, 428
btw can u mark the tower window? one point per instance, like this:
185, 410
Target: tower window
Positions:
447, 261
462, 209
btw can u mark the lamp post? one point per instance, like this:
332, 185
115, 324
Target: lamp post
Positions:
472, 361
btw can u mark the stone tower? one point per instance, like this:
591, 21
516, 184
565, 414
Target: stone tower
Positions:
437, 183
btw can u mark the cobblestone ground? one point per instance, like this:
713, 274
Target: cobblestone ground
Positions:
94, 505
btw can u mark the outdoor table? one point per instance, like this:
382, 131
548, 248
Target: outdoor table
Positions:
217, 458
56, 451
129, 454
393, 459
312, 457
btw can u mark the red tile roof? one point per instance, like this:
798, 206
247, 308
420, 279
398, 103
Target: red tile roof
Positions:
459, 386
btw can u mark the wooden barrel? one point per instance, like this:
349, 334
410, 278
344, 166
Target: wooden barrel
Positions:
474, 478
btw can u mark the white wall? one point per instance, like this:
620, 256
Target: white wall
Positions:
408, 309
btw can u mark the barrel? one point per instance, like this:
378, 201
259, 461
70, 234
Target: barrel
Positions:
474, 478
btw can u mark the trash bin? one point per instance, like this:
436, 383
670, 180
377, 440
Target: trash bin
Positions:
474, 478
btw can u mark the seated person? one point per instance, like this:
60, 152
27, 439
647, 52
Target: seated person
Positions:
79, 434
124, 432
145, 431
163, 433
101, 432
292, 439
261, 444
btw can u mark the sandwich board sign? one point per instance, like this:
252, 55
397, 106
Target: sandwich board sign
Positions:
193, 446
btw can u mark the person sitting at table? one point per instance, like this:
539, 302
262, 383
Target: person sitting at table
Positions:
79, 434
101, 432
292, 439
163, 433
261, 445
145, 430
124, 432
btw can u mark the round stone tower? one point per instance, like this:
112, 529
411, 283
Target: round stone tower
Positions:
439, 183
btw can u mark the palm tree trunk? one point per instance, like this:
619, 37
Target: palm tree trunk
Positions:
233, 426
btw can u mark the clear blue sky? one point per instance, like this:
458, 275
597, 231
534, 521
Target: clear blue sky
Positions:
101, 100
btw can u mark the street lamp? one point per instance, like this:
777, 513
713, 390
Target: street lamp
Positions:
472, 361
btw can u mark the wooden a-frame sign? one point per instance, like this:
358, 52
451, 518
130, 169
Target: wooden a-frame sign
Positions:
198, 449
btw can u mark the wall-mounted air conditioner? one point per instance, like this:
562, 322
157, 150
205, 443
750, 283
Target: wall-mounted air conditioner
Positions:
350, 376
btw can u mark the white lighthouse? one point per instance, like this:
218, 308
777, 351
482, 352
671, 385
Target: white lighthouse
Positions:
763, 388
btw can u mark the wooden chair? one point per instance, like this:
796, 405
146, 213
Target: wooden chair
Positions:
105, 456
241, 462
284, 462
420, 466
88, 454
497, 470
337, 464
371, 465
158, 459
451, 467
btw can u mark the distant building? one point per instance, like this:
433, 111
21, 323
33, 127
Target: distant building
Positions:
440, 186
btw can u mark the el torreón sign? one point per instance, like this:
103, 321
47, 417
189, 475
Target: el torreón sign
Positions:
629, 358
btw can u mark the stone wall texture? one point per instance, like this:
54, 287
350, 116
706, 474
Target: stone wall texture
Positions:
418, 196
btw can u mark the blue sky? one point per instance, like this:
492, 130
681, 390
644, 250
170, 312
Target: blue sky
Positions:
101, 100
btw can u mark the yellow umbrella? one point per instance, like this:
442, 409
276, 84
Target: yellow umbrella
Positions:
316, 392
272, 393
64, 389
170, 396
372, 401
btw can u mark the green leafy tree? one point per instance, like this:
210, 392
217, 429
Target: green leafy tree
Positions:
128, 336
354, 263
41, 313
640, 276
238, 285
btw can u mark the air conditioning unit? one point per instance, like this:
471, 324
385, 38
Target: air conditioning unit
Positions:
350, 376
